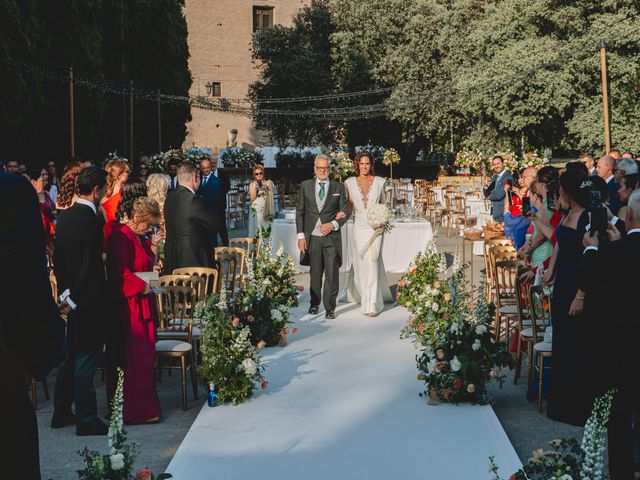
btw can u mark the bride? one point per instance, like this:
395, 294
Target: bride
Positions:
367, 280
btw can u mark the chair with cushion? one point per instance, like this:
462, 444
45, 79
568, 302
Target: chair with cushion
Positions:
540, 306
173, 304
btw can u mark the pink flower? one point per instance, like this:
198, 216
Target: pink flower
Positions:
295, 329
235, 322
144, 474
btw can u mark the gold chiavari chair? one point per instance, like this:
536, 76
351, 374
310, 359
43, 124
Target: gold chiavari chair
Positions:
540, 306
236, 210
209, 275
402, 192
458, 214
231, 261
249, 244
434, 208
505, 275
527, 335
489, 243
173, 305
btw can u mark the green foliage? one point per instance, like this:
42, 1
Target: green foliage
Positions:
229, 361
114, 40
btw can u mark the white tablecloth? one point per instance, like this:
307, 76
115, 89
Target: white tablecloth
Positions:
399, 247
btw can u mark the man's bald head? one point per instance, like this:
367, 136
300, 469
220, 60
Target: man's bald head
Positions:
605, 166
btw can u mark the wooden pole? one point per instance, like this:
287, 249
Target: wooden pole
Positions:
605, 96
131, 121
451, 132
159, 124
72, 136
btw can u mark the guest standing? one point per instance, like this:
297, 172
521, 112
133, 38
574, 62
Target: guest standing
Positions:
627, 185
130, 252
79, 270
68, 192
214, 186
569, 381
117, 174
31, 330
606, 166
172, 171
47, 207
190, 225
589, 161
515, 224
157, 189
262, 204
494, 188
602, 265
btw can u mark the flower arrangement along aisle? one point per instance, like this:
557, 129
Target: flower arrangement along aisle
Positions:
257, 306
229, 361
458, 355
568, 459
118, 464
278, 272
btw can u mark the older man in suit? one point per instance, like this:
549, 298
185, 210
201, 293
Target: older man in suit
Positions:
31, 330
606, 170
81, 279
494, 187
612, 268
189, 224
318, 229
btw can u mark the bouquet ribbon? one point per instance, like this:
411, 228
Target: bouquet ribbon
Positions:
377, 231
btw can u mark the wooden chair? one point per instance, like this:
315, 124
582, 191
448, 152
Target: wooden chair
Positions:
173, 305
209, 275
458, 214
249, 244
236, 209
528, 334
435, 209
402, 192
231, 261
540, 306
488, 262
506, 299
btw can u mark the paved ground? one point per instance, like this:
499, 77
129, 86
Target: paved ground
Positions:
526, 429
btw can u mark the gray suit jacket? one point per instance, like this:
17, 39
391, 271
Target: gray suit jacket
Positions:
307, 212
495, 192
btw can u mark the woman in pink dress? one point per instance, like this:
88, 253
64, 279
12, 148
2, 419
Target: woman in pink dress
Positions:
129, 252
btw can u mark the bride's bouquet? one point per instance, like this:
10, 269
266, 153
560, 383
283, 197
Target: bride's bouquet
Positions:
379, 217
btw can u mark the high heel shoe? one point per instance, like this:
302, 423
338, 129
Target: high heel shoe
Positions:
372, 314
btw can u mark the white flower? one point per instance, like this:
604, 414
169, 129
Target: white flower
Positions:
276, 314
117, 461
431, 366
480, 329
566, 476
455, 364
434, 306
249, 366
476, 345
454, 327
280, 251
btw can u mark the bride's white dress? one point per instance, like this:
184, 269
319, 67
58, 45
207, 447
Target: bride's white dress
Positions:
367, 278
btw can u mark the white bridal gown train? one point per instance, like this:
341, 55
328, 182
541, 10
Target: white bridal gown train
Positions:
367, 279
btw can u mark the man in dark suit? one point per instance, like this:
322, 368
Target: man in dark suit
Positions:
189, 225
319, 233
589, 161
31, 330
214, 186
613, 268
494, 187
172, 171
606, 166
81, 279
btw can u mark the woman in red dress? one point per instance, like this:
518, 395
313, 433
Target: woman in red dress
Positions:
130, 252
117, 174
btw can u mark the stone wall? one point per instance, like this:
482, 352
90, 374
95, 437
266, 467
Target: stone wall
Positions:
219, 39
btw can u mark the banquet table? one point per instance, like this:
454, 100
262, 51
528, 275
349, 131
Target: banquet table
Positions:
399, 246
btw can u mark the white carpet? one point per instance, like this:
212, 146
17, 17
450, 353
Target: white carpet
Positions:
343, 403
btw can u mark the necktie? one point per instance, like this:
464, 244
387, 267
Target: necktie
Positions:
205, 180
321, 192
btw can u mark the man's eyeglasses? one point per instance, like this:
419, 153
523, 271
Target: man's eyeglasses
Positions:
322, 169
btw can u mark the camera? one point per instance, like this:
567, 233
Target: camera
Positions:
526, 206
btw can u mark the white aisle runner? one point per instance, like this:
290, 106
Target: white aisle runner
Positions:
342, 403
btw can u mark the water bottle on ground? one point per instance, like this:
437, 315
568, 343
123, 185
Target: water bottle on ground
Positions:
212, 397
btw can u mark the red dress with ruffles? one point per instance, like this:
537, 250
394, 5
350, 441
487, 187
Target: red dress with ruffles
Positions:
128, 253
110, 210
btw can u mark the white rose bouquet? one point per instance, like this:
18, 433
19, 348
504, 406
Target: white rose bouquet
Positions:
379, 217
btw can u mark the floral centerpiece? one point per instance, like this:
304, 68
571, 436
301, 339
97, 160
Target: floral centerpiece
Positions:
229, 361
341, 164
391, 158
568, 459
240, 157
256, 308
157, 163
458, 355
533, 159
471, 159
379, 218
119, 463
195, 154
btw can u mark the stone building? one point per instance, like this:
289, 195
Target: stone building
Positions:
219, 37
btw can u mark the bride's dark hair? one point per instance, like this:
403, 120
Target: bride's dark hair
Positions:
356, 163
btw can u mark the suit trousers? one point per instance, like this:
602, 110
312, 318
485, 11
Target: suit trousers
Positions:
621, 440
323, 258
224, 235
75, 384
